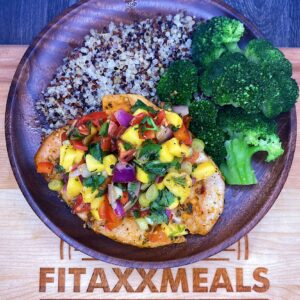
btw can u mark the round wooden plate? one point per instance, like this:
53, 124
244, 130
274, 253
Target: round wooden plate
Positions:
244, 206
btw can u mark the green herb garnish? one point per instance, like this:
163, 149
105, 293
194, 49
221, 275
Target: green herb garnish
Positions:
104, 129
127, 146
148, 124
94, 181
149, 151
139, 104
179, 180
95, 151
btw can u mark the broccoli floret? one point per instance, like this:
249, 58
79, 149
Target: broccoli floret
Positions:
217, 69
267, 56
178, 83
204, 126
279, 94
214, 37
239, 86
248, 134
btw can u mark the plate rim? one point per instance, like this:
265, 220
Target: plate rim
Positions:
115, 260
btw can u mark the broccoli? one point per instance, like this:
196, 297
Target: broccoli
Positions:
248, 134
204, 126
253, 86
217, 69
267, 56
178, 83
214, 37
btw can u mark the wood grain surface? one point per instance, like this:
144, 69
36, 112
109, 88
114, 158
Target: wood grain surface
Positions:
278, 20
35, 264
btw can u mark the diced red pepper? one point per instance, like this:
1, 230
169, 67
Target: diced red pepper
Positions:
184, 135
105, 143
112, 128
149, 134
157, 236
83, 129
93, 117
144, 213
193, 158
120, 131
80, 206
45, 167
187, 120
114, 119
160, 118
63, 137
107, 213
96, 139
124, 198
78, 145
138, 119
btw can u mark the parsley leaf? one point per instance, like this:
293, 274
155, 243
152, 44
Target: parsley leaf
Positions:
139, 104
95, 151
133, 188
149, 151
158, 168
148, 124
94, 181
127, 146
180, 180
104, 129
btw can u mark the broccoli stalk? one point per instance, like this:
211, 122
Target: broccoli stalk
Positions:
237, 169
248, 134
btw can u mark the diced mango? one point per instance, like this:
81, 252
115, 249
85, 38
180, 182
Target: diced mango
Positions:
160, 186
74, 187
88, 194
95, 214
109, 162
204, 170
174, 119
96, 202
142, 176
140, 111
186, 151
174, 147
174, 230
69, 156
174, 204
131, 135
165, 155
93, 164
179, 184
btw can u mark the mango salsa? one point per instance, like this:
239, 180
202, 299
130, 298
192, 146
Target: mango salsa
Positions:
131, 135
109, 162
173, 119
141, 175
74, 187
93, 164
165, 155
204, 170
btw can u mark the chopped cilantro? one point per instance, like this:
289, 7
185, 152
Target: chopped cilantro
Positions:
127, 146
158, 168
148, 124
94, 181
149, 151
136, 214
95, 151
180, 180
104, 129
139, 104
133, 188
59, 169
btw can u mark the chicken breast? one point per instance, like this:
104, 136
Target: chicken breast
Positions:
206, 199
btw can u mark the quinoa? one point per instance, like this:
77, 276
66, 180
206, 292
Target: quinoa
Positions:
123, 58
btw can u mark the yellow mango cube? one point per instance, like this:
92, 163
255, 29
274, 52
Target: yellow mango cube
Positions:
186, 151
109, 162
174, 147
173, 119
96, 202
131, 135
204, 170
93, 165
160, 186
165, 155
74, 187
140, 111
95, 214
141, 175
88, 194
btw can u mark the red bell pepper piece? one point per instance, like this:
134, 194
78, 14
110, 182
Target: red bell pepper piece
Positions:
80, 206
183, 135
105, 143
78, 145
45, 167
138, 119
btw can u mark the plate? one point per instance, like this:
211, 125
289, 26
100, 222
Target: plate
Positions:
244, 206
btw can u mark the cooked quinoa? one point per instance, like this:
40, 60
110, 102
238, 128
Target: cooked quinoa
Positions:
123, 58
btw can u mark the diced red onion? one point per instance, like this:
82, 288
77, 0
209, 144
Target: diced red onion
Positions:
124, 173
123, 117
169, 213
182, 110
84, 171
65, 178
114, 193
176, 220
74, 173
164, 134
112, 128
119, 209
159, 179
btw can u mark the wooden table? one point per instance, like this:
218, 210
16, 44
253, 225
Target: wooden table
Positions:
35, 264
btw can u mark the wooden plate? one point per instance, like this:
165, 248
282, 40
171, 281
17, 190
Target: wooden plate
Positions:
244, 206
